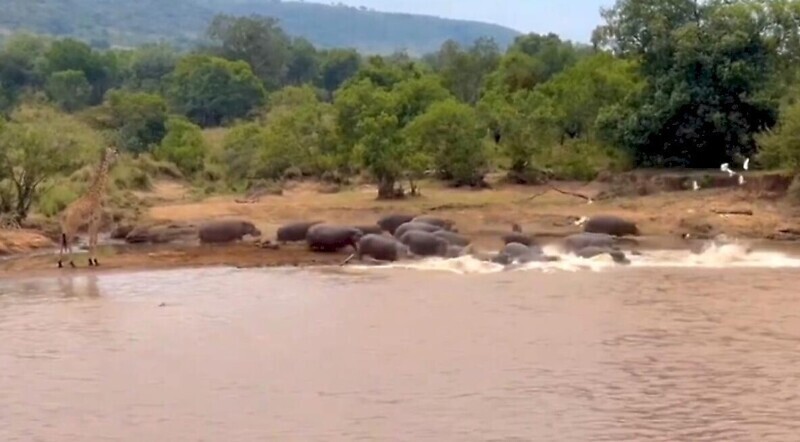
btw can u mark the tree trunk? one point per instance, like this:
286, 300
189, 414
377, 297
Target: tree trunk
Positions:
386, 188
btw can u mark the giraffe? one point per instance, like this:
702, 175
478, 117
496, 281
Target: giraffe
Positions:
86, 210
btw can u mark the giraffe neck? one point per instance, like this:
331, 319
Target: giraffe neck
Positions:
99, 183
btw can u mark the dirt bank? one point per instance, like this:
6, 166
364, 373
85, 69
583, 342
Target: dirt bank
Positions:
663, 216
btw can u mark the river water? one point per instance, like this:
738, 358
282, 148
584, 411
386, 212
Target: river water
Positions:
673, 347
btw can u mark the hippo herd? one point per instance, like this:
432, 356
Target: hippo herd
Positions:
401, 236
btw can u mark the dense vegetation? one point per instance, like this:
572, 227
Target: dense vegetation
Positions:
106, 23
677, 83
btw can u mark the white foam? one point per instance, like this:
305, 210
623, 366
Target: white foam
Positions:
713, 257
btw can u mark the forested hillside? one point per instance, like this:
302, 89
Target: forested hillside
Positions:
183, 22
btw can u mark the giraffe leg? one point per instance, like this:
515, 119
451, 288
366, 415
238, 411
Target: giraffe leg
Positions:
93, 228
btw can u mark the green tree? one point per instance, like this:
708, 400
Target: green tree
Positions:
149, 67
259, 41
72, 55
19, 59
451, 134
707, 66
36, 145
212, 90
780, 148
138, 118
338, 66
303, 64
69, 89
464, 71
183, 145
382, 151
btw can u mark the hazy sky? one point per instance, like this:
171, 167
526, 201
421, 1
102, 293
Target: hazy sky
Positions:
572, 19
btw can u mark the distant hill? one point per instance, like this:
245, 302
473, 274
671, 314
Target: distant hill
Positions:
183, 22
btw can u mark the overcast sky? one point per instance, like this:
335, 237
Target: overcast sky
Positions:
572, 19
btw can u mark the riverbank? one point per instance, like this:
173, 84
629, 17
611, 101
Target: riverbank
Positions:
665, 217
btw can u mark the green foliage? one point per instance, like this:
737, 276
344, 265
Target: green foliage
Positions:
71, 55
183, 145
69, 89
338, 66
707, 67
780, 148
148, 67
211, 90
451, 134
36, 145
299, 133
139, 119
256, 40
56, 198
464, 71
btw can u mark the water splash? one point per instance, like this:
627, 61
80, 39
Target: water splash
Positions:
714, 256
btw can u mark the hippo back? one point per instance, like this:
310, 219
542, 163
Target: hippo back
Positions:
415, 226
295, 232
330, 238
382, 248
226, 231
611, 225
434, 221
453, 238
390, 223
519, 238
574, 243
425, 243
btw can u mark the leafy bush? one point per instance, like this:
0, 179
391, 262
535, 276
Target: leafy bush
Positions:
183, 145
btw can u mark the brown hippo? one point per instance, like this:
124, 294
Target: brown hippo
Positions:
610, 225
415, 226
226, 231
445, 224
332, 238
294, 232
516, 253
578, 241
453, 238
380, 247
517, 236
390, 223
370, 229
423, 243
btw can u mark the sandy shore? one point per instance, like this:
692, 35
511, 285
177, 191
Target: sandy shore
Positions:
482, 215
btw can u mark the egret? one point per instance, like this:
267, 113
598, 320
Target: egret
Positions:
581, 221
741, 180
725, 167
746, 165
695, 186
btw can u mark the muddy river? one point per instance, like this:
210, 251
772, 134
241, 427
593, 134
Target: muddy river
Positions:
671, 348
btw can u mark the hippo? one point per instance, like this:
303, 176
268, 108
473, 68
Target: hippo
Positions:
425, 243
390, 223
421, 227
516, 253
370, 229
332, 238
610, 225
454, 251
453, 238
379, 247
226, 231
295, 232
516, 236
574, 243
591, 251
434, 221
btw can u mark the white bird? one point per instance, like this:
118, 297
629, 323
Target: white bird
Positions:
746, 165
741, 180
581, 221
695, 186
726, 168
589, 201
